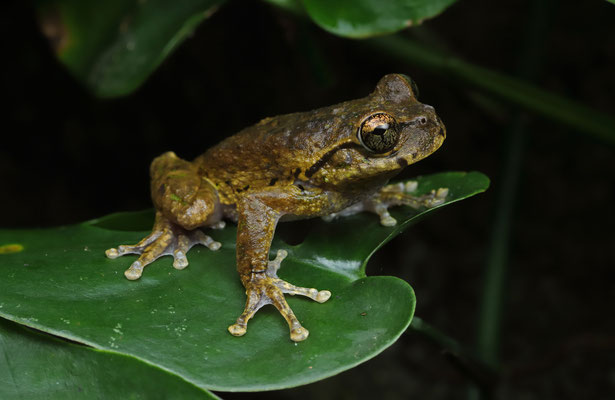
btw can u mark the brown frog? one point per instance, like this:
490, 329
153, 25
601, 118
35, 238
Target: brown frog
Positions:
333, 161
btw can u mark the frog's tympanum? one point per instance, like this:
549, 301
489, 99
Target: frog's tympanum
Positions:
333, 161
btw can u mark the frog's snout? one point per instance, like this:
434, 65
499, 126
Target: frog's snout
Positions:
431, 124
441, 128
423, 134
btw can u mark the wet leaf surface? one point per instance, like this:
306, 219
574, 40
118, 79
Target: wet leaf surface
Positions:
61, 283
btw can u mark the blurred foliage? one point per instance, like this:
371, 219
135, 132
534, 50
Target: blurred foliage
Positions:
113, 46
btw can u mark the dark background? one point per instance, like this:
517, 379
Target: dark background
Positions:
66, 157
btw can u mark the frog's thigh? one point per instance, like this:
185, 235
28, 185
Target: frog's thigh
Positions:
181, 194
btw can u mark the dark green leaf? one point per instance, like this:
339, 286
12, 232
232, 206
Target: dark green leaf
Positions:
114, 45
365, 18
38, 366
62, 283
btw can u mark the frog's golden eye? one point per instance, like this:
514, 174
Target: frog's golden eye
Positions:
379, 133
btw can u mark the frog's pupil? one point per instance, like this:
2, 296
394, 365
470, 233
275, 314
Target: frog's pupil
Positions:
381, 129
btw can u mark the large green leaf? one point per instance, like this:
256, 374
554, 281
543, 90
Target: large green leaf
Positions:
36, 366
60, 282
365, 18
112, 46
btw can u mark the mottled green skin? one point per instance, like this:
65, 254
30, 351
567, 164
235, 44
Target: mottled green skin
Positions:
292, 166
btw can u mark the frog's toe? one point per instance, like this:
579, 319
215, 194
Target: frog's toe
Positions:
112, 253
200, 238
134, 272
410, 186
317, 295
440, 195
183, 244
272, 268
256, 298
274, 265
133, 249
297, 332
383, 213
180, 260
435, 197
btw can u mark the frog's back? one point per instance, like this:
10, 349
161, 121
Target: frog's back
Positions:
276, 150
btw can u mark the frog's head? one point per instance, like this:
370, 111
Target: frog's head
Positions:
403, 130
377, 137
388, 130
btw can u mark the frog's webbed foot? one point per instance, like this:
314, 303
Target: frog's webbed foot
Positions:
266, 288
400, 194
166, 239
394, 195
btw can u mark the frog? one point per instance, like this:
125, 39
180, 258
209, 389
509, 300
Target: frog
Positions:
330, 162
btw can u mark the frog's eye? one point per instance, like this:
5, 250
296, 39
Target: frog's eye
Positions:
378, 133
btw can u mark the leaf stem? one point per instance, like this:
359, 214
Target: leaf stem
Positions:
483, 375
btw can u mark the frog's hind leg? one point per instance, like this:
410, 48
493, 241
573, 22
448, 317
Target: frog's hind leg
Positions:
184, 202
396, 194
182, 194
165, 239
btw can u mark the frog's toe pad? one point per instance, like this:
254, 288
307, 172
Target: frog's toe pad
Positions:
180, 260
134, 272
112, 253
437, 197
387, 220
299, 334
323, 296
410, 186
237, 329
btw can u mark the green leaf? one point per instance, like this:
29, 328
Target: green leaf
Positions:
61, 283
113, 46
37, 366
365, 18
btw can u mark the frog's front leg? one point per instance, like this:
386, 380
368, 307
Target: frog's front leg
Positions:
395, 194
256, 226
